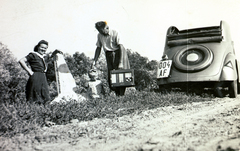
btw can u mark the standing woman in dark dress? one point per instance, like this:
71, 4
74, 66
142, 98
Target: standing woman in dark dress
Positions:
37, 87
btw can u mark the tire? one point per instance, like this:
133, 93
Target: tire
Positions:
203, 58
218, 90
238, 84
232, 89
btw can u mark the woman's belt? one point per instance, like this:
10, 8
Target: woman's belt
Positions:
40, 71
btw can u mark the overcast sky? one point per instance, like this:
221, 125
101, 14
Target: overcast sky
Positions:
68, 25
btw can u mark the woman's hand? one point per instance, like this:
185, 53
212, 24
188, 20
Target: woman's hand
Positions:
55, 52
23, 63
30, 73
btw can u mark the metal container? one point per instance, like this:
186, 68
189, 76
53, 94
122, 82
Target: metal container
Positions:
122, 78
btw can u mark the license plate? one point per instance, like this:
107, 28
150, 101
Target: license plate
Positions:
164, 68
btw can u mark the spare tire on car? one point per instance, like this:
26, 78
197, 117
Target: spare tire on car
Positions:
193, 58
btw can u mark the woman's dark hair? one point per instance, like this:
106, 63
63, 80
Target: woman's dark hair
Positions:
100, 25
39, 43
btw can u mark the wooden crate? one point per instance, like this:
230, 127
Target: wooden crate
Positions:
123, 77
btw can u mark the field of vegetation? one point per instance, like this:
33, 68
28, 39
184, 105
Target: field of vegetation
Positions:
24, 117
18, 116
21, 118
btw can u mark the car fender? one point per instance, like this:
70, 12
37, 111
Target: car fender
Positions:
229, 72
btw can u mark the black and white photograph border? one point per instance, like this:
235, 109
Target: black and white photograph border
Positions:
148, 116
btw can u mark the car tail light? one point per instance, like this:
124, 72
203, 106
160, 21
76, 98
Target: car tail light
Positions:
229, 64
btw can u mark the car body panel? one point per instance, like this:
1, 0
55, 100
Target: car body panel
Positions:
229, 71
211, 73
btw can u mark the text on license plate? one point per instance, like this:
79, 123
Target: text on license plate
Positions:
164, 68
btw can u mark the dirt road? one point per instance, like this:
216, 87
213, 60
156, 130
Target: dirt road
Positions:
202, 126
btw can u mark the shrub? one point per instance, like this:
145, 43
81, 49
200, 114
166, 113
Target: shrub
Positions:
78, 64
144, 71
12, 78
53, 90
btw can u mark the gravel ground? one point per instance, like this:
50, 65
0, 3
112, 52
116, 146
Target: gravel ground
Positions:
204, 126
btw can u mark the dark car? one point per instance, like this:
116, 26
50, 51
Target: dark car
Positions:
200, 58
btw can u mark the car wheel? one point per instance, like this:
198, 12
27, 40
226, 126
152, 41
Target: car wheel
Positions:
218, 89
238, 84
232, 89
193, 58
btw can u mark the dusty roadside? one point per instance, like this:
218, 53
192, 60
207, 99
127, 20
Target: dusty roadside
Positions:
202, 126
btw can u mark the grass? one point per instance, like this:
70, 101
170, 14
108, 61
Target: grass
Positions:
24, 117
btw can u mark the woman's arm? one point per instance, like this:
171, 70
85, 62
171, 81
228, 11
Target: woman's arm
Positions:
24, 66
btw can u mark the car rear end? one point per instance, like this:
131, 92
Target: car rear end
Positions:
197, 56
